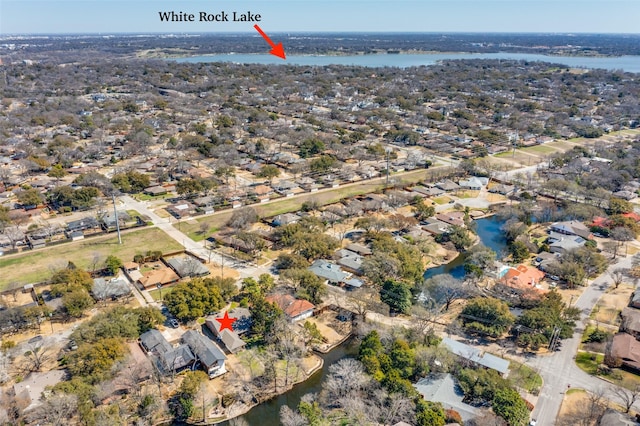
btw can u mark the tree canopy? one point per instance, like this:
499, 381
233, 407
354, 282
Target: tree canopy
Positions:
487, 315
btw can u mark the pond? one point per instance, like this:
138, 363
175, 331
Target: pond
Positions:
488, 229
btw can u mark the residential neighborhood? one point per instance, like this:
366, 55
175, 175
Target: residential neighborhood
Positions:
191, 242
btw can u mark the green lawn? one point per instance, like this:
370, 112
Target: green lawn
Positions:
133, 213
524, 377
589, 362
155, 294
36, 266
442, 200
540, 149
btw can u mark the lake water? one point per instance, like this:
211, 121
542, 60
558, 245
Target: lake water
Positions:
488, 229
626, 63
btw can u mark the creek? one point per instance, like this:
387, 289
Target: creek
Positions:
268, 413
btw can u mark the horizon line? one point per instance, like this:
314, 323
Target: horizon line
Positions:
123, 33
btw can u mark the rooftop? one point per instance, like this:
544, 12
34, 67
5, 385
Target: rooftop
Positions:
477, 356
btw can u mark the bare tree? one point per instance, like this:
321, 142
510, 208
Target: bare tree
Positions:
398, 408
346, 379
445, 289
242, 218
627, 396
424, 320
36, 355
612, 248
96, 260
15, 235
288, 417
597, 403
56, 410
286, 344
618, 276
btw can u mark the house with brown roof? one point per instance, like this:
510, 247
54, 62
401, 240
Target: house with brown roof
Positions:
162, 276
627, 349
451, 218
294, 309
130, 266
522, 276
630, 321
262, 190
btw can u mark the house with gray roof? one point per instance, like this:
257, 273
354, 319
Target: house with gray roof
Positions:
153, 341
285, 219
115, 288
435, 226
187, 266
635, 298
208, 353
612, 417
229, 338
474, 183
108, 221
175, 360
328, 271
360, 249
572, 227
443, 388
502, 189
350, 260
447, 185
477, 356
566, 243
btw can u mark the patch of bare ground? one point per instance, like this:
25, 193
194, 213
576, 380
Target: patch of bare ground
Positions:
607, 309
331, 328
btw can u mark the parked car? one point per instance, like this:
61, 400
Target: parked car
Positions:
174, 323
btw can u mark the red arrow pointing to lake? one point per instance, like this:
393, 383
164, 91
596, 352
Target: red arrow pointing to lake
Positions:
276, 49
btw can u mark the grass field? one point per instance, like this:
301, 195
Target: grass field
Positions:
540, 149
36, 266
286, 205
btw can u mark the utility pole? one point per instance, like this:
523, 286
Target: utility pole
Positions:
115, 212
555, 336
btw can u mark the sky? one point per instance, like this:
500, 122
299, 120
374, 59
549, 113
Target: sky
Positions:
141, 16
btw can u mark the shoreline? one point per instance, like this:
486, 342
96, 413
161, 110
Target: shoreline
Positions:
242, 410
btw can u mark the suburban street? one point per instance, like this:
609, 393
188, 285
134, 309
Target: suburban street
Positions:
245, 269
559, 370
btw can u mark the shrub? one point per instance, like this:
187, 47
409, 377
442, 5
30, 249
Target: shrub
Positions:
452, 416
